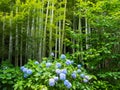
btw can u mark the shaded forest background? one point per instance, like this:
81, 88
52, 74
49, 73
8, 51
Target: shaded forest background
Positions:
87, 30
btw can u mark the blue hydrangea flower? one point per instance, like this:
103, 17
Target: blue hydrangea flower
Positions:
79, 66
72, 62
58, 65
68, 62
36, 62
73, 75
56, 78
25, 75
29, 72
58, 71
62, 76
67, 84
25, 70
51, 82
85, 80
21, 68
62, 56
64, 71
78, 71
82, 75
52, 54
87, 77
48, 64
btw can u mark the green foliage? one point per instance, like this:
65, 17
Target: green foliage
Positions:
8, 75
41, 75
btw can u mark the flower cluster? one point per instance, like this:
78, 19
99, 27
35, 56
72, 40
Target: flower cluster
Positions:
67, 84
27, 72
62, 57
68, 62
36, 62
73, 75
48, 64
58, 65
63, 73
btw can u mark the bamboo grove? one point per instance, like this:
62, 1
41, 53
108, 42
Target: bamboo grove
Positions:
33, 29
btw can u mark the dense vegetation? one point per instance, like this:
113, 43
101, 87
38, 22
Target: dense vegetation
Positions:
34, 34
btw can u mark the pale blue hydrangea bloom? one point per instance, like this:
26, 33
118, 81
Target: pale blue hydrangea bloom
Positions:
25, 75
62, 76
56, 78
68, 62
72, 62
87, 77
58, 65
36, 62
25, 70
21, 68
82, 75
85, 80
64, 71
51, 82
73, 75
48, 64
62, 56
52, 54
67, 84
78, 71
58, 71
29, 72
79, 66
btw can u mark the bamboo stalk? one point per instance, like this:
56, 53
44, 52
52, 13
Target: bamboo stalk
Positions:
51, 29
16, 40
80, 40
86, 32
27, 53
32, 49
21, 46
10, 38
59, 48
56, 41
63, 32
40, 32
45, 29
3, 37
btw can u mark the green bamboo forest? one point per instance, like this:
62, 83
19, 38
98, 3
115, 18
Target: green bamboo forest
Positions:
59, 44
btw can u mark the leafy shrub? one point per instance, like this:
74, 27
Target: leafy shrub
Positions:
61, 74
8, 75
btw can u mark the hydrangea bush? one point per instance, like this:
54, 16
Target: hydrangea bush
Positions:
60, 74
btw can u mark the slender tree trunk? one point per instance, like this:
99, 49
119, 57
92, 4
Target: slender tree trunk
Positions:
63, 32
51, 29
59, 37
80, 40
86, 32
73, 40
56, 41
21, 46
3, 38
27, 53
32, 49
16, 41
10, 38
45, 29
40, 32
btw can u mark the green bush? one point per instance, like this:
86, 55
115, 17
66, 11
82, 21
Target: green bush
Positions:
60, 74
8, 75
